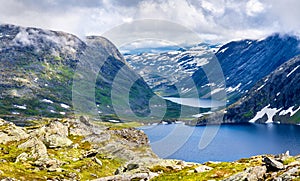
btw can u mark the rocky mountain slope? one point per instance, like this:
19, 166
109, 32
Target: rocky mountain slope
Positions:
82, 149
166, 71
37, 69
243, 63
246, 62
275, 98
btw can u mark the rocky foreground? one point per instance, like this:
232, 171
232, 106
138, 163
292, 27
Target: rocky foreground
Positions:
81, 149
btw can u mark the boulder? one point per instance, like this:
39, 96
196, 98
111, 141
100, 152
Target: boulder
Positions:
202, 168
57, 141
272, 164
90, 153
38, 149
250, 174
10, 132
56, 127
22, 157
96, 160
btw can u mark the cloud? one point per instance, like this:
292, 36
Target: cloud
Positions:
213, 20
253, 7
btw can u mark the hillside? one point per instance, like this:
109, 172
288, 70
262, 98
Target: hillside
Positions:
37, 68
275, 98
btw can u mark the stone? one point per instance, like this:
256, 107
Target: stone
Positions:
10, 132
250, 174
22, 157
57, 141
56, 127
202, 168
132, 166
289, 174
96, 160
272, 164
38, 149
90, 153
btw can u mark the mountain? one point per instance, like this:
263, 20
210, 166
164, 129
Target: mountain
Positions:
245, 62
37, 68
166, 70
275, 98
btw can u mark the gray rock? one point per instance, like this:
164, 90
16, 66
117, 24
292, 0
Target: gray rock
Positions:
10, 132
290, 174
132, 166
22, 157
90, 153
38, 149
56, 127
272, 164
202, 168
57, 141
250, 174
96, 160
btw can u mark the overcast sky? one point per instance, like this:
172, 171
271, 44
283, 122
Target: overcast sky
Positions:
216, 20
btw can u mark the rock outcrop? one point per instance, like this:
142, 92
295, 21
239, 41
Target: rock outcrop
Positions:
91, 150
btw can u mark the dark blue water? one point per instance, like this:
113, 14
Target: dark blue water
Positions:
231, 142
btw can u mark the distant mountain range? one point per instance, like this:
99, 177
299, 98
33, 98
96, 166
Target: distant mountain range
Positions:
246, 65
37, 70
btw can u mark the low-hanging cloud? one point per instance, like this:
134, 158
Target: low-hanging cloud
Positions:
213, 20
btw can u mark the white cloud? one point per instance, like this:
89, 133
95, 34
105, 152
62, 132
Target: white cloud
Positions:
253, 7
214, 20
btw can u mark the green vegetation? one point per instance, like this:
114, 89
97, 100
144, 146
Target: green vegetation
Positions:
220, 171
295, 119
289, 160
78, 168
249, 114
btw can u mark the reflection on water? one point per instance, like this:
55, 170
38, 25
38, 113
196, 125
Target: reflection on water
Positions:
195, 102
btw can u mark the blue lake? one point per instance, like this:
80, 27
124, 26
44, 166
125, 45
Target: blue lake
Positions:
230, 143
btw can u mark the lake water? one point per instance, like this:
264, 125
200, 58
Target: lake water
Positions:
231, 142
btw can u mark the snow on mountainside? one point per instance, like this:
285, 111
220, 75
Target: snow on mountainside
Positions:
165, 69
275, 98
245, 62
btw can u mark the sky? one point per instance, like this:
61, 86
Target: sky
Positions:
216, 21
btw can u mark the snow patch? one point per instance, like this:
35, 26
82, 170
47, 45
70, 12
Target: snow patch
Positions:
62, 113
216, 90
270, 112
289, 110
64, 106
20, 107
260, 87
47, 101
197, 115
223, 50
232, 89
293, 71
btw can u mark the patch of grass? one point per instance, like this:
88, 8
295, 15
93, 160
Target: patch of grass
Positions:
220, 171
295, 118
289, 160
116, 126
